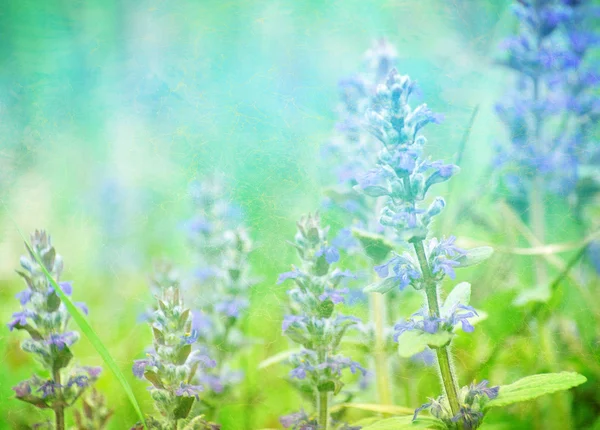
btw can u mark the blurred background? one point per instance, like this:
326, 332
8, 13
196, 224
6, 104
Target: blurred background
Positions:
109, 109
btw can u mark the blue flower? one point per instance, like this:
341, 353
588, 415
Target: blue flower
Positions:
443, 256
188, 390
24, 296
336, 296
191, 337
481, 389
62, 340
405, 271
295, 419
20, 318
288, 320
294, 274
200, 321
427, 323
345, 240
205, 360
82, 381
48, 388
139, 367
231, 307
331, 254
23, 389
300, 371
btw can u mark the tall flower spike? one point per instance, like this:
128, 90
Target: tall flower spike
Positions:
44, 317
171, 365
550, 113
221, 283
405, 178
314, 323
351, 146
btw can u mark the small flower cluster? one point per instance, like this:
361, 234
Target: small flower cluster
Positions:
45, 318
314, 322
550, 113
299, 421
425, 322
223, 278
472, 400
171, 365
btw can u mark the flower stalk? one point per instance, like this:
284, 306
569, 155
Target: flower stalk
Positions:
443, 356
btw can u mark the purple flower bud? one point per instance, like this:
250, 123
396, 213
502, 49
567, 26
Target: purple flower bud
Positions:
187, 390
23, 389
331, 254
294, 274
20, 318
24, 296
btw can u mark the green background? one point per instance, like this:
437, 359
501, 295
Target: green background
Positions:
109, 109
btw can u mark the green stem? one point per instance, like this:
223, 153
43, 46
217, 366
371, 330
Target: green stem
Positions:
443, 354
382, 374
323, 410
59, 409
322, 397
538, 226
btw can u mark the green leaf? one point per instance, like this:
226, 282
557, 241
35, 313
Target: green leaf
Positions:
460, 294
475, 256
326, 308
384, 286
35, 335
89, 332
159, 336
532, 387
374, 407
321, 266
406, 422
53, 302
376, 246
278, 358
296, 332
330, 385
184, 353
154, 379
366, 421
184, 316
62, 357
36, 401
183, 408
412, 342
540, 293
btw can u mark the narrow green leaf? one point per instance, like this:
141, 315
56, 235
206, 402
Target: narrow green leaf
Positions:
366, 421
412, 342
184, 406
539, 294
277, 358
154, 379
62, 357
384, 286
406, 422
475, 256
184, 353
89, 332
374, 407
534, 386
376, 246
